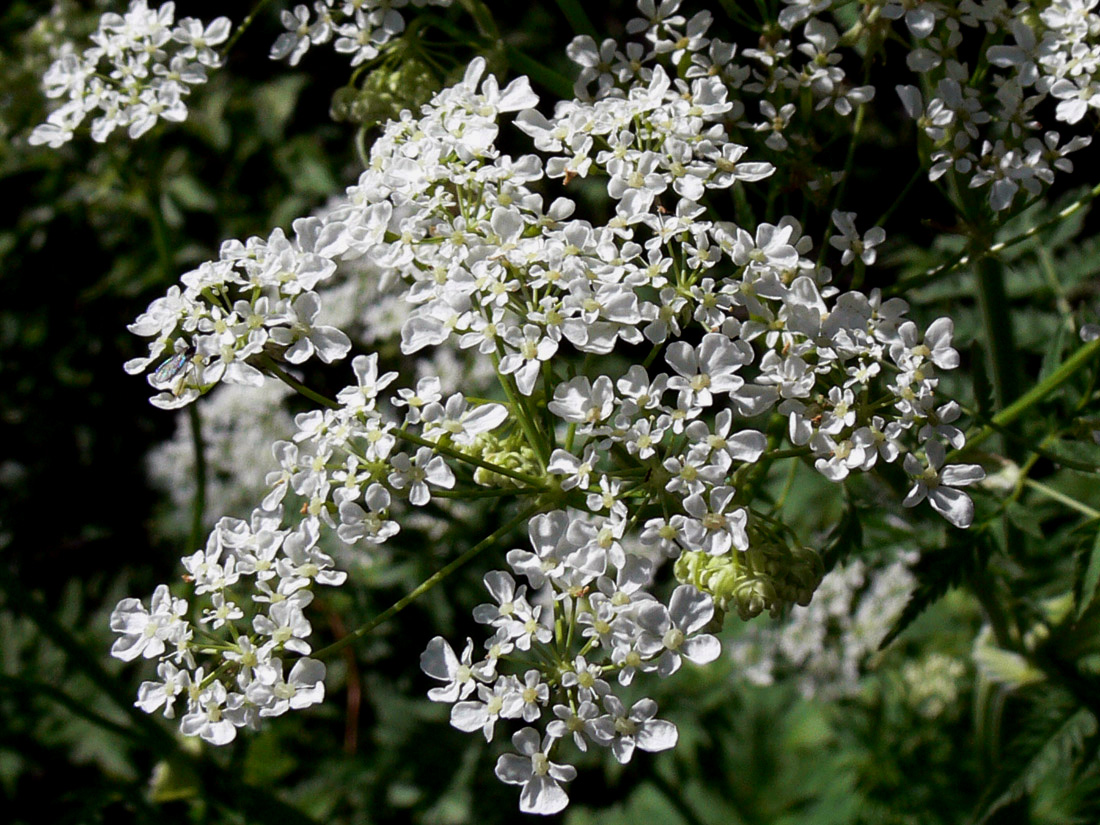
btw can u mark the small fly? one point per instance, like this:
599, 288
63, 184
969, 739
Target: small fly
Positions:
172, 366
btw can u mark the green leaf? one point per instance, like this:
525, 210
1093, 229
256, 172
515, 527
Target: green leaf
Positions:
1075, 454
191, 194
1004, 667
1059, 746
937, 572
172, 781
847, 537
1052, 358
1090, 579
1025, 518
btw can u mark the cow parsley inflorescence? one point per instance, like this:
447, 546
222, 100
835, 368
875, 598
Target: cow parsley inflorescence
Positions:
739, 354
139, 69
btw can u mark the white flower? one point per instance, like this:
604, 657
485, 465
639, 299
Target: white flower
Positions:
439, 661
938, 485
709, 368
145, 632
206, 717
173, 682
502, 699
418, 472
532, 768
275, 695
671, 631
285, 626
849, 241
624, 731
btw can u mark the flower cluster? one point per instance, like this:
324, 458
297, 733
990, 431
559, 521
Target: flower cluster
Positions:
360, 28
257, 300
139, 70
248, 681
998, 141
650, 372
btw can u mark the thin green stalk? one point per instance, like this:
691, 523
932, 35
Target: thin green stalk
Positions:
403, 434
241, 29
997, 322
792, 452
428, 584
523, 413
917, 175
963, 258
578, 19
1072, 503
495, 492
269, 364
560, 85
787, 487
1037, 393
469, 459
198, 505
160, 236
857, 127
1046, 263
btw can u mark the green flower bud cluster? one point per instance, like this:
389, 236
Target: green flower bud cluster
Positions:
766, 577
384, 93
511, 453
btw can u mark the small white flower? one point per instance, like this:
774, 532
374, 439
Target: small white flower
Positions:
538, 776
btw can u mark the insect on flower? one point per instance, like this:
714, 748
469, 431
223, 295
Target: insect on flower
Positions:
172, 366
176, 366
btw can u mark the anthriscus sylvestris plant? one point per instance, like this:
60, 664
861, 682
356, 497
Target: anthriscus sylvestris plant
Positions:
653, 370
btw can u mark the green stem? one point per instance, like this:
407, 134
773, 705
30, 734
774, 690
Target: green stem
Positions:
962, 259
526, 419
1072, 503
917, 175
427, 584
578, 19
495, 492
198, 506
997, 321
560, 85
793, 452
160, 236
243, 27
442, 449
269, 364
469, 459
1037, 393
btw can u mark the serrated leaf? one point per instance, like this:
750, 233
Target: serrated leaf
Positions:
847, 537
937, 572
1060, 747
1090, 579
